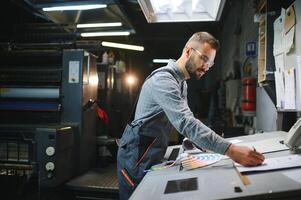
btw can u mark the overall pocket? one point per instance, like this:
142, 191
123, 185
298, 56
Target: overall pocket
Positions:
128, 147
145, 144
133, 154
129, 137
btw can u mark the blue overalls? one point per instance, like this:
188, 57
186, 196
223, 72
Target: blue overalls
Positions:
142, 145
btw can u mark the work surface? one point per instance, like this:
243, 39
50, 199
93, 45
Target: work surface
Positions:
221, 180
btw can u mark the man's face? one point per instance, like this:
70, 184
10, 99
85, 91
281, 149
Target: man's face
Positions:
200, 60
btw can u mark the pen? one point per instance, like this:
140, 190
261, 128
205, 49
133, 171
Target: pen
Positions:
254, 149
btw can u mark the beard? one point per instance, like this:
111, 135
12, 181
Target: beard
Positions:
190, 67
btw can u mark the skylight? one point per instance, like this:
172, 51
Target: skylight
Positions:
181, 10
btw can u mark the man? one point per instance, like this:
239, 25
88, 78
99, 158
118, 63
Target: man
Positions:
162, 104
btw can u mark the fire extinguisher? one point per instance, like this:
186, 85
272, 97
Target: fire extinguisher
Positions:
249, 94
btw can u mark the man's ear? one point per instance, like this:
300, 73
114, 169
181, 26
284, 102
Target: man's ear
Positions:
187, 51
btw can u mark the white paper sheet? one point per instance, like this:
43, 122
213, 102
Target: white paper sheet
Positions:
290, 90
289, 40
267, 145
279, 62
279, 33
279, 89
73, 72
283, 162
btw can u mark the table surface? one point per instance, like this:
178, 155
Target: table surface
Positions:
218, 181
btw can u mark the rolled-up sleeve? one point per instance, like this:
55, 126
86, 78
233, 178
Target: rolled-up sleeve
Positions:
166, 92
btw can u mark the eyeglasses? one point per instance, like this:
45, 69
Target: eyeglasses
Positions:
204, 58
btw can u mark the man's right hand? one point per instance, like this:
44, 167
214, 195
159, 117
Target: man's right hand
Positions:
244, 155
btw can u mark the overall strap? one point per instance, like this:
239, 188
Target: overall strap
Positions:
132, 117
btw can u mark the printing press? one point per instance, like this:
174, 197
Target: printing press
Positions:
47, 126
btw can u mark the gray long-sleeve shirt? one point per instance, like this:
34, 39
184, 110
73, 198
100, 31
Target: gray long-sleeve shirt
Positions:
166, 92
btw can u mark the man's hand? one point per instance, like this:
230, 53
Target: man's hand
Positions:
244, 155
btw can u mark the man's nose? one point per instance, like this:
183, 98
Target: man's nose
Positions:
206, 67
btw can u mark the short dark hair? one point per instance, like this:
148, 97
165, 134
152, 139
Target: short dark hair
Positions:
204, 37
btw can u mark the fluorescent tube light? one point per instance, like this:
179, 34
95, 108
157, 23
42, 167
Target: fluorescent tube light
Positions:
122, 46
160, 60
114, 33
95, 25
75, 7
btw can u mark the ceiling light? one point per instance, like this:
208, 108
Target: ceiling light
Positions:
160, 60
181, 10
131, 80
75, 7
95, 25
114, 33
122, 46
